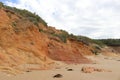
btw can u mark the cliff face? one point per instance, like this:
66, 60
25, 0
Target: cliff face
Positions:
22, 42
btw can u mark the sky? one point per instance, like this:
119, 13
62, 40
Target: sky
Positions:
98, 19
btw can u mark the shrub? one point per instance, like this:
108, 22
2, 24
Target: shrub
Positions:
41, 30
82, 39
30, 16
62, 37
71, 36
1, 4
9, 15
111, 42
98, 42
14, 24
95, 52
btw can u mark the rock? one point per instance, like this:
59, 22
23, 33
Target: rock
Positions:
28, 71
99, 70
92, 69
69, 69
87, 69
57, 76
118, 60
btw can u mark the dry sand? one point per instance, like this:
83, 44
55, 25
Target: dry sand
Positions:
108, 63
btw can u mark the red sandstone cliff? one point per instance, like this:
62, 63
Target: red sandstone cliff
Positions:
22, 42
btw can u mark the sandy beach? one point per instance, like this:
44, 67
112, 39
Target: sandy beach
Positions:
103, 62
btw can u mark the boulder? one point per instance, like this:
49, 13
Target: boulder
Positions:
57, 76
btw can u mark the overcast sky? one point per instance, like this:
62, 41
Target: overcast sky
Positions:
92, 18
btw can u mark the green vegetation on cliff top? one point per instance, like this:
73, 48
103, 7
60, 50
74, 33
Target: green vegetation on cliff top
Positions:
63, 36
26, 14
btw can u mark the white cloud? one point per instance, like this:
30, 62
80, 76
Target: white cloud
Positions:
92, 18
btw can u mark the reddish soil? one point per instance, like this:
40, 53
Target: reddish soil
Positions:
22, 43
